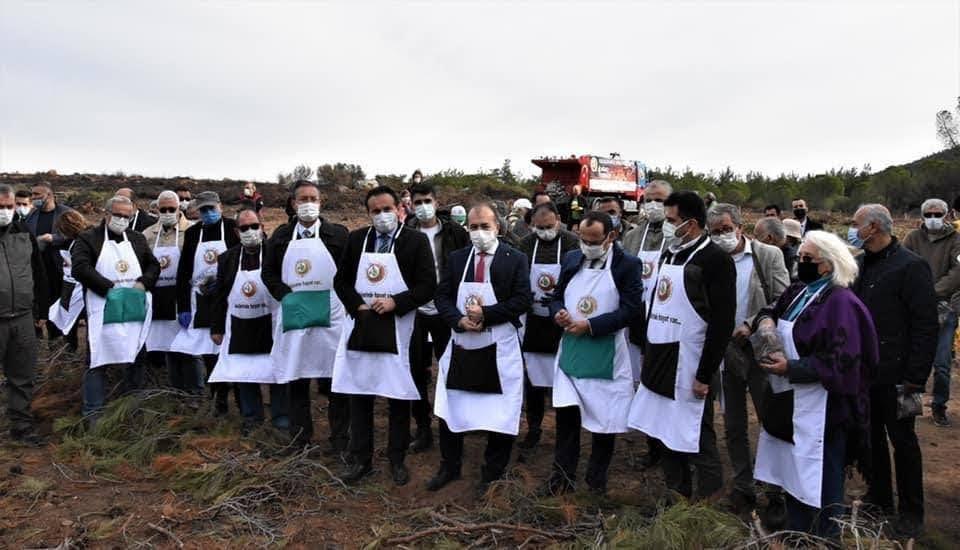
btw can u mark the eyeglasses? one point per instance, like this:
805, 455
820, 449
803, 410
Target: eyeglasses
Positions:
167, 210
248, 227
933, 214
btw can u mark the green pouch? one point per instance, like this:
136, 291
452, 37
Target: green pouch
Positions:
309, 308
588, 356
125, 305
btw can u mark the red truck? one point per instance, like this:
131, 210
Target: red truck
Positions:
596, 176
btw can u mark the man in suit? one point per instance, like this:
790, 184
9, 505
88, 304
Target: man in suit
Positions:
42, 223
141, 218
397, 276
800, 213
761, 279
483, 293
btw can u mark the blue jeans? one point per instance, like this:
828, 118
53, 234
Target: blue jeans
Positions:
251, 404
943, 362
185, 372
818, 520
95, 385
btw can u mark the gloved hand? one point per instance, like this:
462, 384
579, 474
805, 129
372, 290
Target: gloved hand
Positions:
184, 319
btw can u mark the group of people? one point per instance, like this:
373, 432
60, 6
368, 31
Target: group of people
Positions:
629, 326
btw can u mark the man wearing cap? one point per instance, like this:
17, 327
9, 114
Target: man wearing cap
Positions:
517, 222
141, 218
196, 281
794, 237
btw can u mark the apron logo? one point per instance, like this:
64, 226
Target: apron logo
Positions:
248, 289
376, 272
473, 300
164, 262
546, 282
647, 269
210, 256
302, 267
587, 305
664, 289
122, 266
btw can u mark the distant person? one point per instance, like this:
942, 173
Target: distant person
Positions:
771, 231
771, 211
613, 207
709, 200
573, 209
141, 218
251, 195
459, 215
800, 214
154, 209
24, 205
956, 213
41, 223
794, 237
541, 197
186, 204
517, 223
938, 243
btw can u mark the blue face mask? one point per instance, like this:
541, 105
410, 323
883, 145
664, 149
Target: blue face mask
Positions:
853, 237
210, 217
616, 221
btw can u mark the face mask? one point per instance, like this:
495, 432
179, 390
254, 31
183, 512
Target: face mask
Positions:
546, 234
669, 230
251, 238
483, 239
118, 225
458, 218
210, 217
654, 210
616, 221
385, 222
591, 251
6, 216
799, 213
933, 224
727, 242
38, 203
184, 204
308, 212
853, 237
23, 211
168, 219
808, 272
677, 229
248, 192
424, 212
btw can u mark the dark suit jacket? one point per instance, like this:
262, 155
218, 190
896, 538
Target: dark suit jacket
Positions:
509, 276
333, 236
144, 220
86, 252
812, 225
414, 257
191, 238
626, 269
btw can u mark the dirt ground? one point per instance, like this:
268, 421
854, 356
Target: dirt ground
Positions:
56, 499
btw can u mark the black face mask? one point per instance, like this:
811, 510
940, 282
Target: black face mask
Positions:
799, 213
807, 272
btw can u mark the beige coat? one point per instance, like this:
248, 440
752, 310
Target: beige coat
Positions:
166, 235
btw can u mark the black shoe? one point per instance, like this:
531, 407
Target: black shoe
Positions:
356, 472
774, 516
400, 474
940, 418
422, 441
531, 439
27, 437
444, 476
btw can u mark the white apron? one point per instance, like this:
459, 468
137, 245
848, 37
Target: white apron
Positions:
796, 466
115, 343
307, 352
482, 410
195, 340
245, 352
377, 373
605, 399
650, 260
65, 315
543, 280
673, 320
164, 330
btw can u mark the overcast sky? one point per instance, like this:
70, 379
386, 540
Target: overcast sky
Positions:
244, 90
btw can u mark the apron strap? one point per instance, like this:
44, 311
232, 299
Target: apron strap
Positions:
703, 245
176, 227
240, 261
316, 234
466, 266
536, 245
393, 244
106, 235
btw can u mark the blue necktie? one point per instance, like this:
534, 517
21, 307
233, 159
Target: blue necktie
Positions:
383, 245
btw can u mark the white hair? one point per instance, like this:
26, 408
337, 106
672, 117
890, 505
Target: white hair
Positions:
170, 195
878, 214
117, 199
933, 203
836, 253
661, 183
720, 209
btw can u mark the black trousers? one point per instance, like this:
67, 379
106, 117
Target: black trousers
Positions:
677, 466
567, 453
301, 419
907, 458
495, 457
535, 399
361, 429
220, 391
422, 353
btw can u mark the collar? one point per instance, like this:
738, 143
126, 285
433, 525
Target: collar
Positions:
677, 248
315, 228
885, 253
747, 249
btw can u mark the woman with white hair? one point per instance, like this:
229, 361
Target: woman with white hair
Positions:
816, 406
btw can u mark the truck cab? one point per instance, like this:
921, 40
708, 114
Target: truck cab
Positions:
597, 177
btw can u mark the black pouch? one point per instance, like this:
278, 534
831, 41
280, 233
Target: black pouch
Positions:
66, 293
659, 372
778, 414
165, 303
474, 370
541, 335
374, 333
251, 336
203, 316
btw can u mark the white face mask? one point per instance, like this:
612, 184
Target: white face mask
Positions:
933, 224
424, 212
251, 238
546, 234
592, 251
385, 222
184, 205
247, 192
654, 210
668, 230
308, 212
6, 216
727, 242
483, 239
168, 219
118, 225
23, 211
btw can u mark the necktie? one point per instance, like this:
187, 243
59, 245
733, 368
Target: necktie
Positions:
307, 234
383, 244
478, 275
